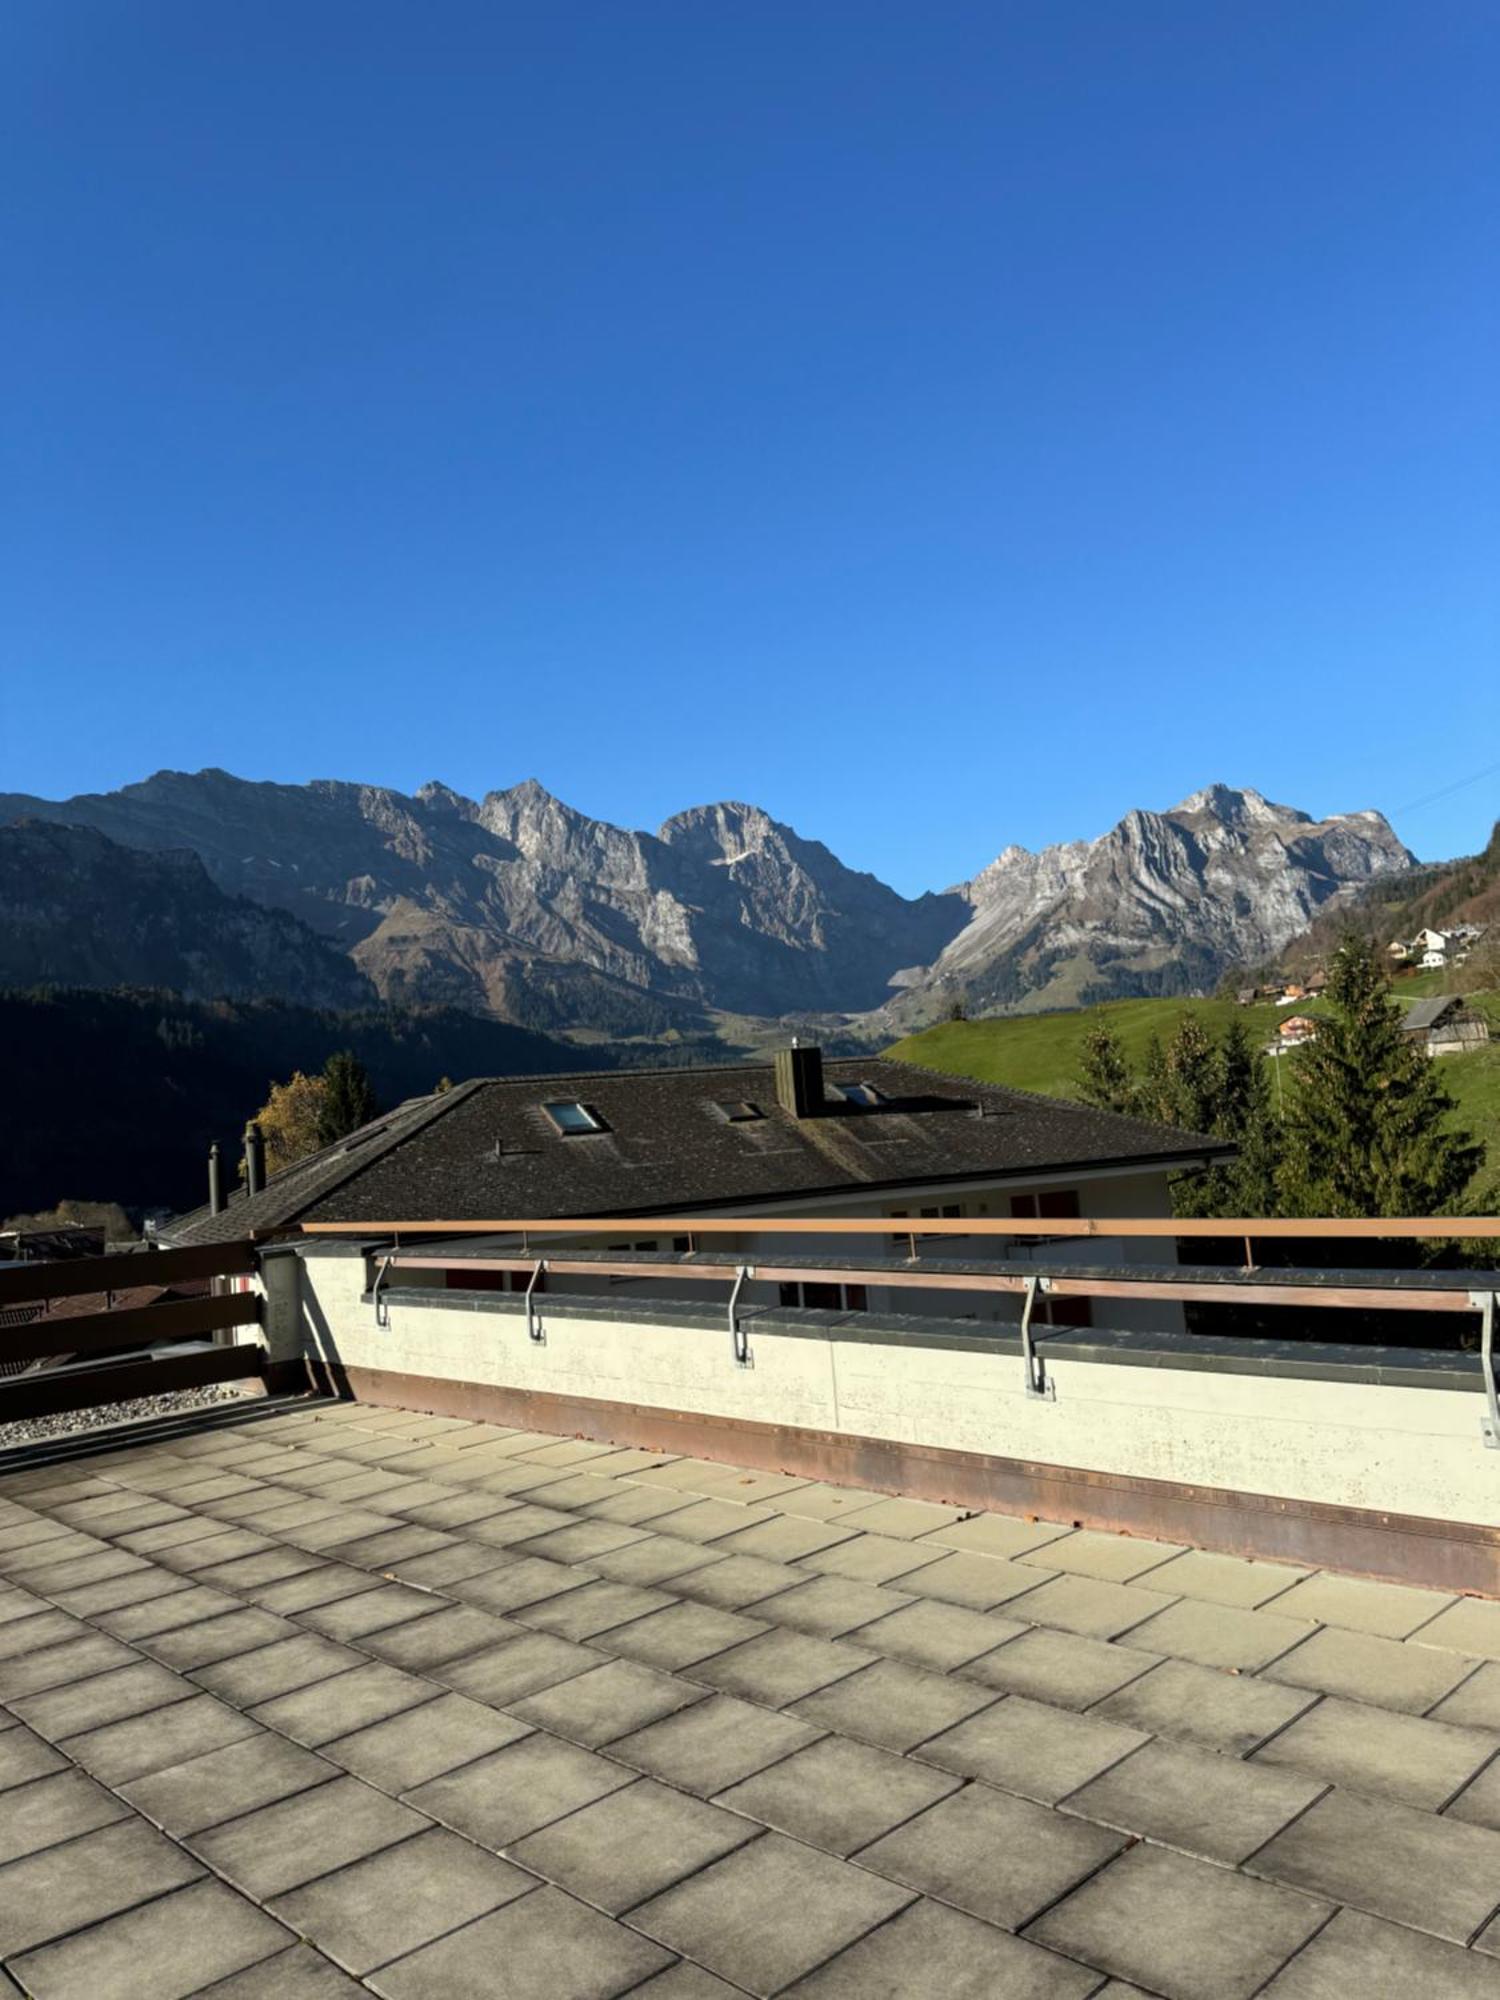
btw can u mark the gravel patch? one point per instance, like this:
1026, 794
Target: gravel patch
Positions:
106, 1416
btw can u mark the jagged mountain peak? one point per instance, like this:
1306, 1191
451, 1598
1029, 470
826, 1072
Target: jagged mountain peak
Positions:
524, 907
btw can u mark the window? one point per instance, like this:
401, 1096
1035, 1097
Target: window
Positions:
573, 1119
826, 1298
863, 1094
1051, 1202
738, 1111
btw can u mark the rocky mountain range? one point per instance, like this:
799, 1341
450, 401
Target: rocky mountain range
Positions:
519, 907
77, 909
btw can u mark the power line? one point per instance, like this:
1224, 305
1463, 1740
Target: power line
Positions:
1459, 784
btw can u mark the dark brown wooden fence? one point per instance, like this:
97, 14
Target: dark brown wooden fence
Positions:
61, 1359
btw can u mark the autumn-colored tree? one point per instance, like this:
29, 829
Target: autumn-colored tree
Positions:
289, 1118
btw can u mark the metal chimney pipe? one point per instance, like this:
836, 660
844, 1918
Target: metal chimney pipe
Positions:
215, 1181
255, 1158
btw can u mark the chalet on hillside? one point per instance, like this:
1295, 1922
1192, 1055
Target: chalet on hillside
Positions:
1446, 1025
1296, 1029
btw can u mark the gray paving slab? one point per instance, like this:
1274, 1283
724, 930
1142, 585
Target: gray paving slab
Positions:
421, 1743
785, 1538
24, 1756
282, 1668
831, 1607
52, 1809
1357, 1604
1478, 1804
893, 1704
226, 1783
248, 1573
506, 1673
1382, 1752
1386, 1673
89, 1703
343, 1703
45, 1628
1475, 1702
1217, 1710
686, 1982
930, 1633
401, 1898
445, 1633
837, 1795
521, 1584
780, 1667
632, 1844
374, 1610
1181, 1926
551, 1946
1062, 1668
731, 1917
1219, 1635
929, 1949
303, 1590
707, 1748
63, 1888
1112, 1558
502, 1798
979, 1581
609, 1701
870, 1558
735, 1583
998, 1857
595, 1607
134, 1587
165, 1613
581, 1542
69, 1660
148, 1742
310, 1833
648, 1558
681, 1635
1207, 1804
1357, 1954
164, 1950
1471, 1626
1024, 1746
1436, 1875
209, 1639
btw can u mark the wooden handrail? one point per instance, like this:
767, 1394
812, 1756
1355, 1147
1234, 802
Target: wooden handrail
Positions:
1438, 1228
67, 1277
129, 1326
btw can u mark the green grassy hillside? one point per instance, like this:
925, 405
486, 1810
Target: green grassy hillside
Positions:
1043, 1051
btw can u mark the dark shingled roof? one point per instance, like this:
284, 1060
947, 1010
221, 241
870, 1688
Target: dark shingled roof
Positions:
1424, 1014
487, 1149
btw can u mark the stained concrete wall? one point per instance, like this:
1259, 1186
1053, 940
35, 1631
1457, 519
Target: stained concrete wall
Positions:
1381, 1446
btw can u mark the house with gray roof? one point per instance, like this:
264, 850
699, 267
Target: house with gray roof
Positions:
1446, 1025
803, 1137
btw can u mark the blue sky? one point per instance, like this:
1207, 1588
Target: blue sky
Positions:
943, 424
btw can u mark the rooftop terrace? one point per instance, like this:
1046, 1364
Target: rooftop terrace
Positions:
339, 1699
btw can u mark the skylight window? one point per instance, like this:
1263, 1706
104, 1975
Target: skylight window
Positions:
861, 1093
739, 1111
573, 1119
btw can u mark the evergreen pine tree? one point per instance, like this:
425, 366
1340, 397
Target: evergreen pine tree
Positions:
1368, 1130
1194, 1072
1156, 1098
1103, 1073
348, 1099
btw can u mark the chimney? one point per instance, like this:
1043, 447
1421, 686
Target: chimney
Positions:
215, 1181
255, 1158
799, 1081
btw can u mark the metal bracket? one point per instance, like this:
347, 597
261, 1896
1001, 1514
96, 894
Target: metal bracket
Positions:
739, 1338
1039, 1384
1489, 1423
534, 1328
382, 1307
